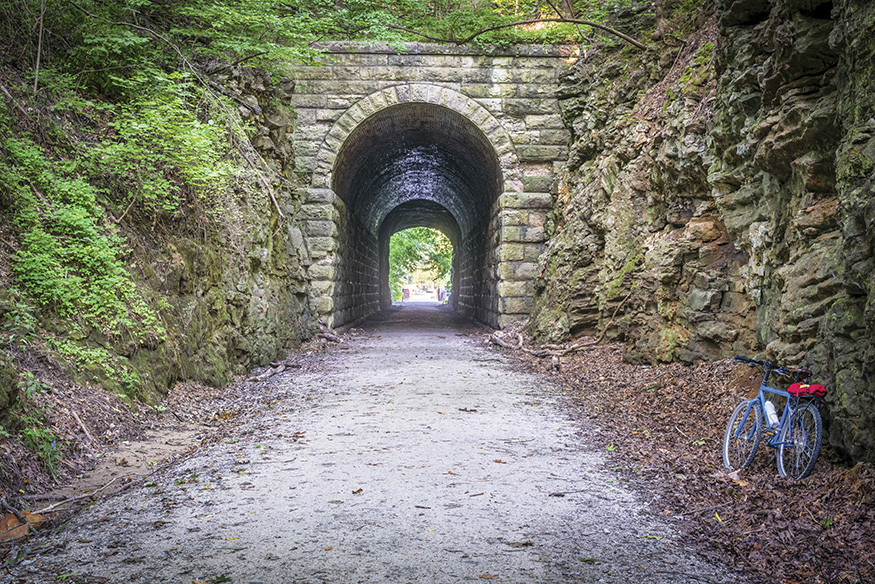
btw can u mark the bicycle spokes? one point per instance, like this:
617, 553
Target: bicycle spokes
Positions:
799, 443
742, 436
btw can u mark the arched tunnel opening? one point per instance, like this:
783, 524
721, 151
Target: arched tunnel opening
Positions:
419, 213
412, 165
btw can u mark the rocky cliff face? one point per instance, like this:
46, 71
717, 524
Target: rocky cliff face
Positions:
236, 293
230, 291
240, 297
792, 173
720, 200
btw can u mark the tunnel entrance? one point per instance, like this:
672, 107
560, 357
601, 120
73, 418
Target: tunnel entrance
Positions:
411, 165
466, 139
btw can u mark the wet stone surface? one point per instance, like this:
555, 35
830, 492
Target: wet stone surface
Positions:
419, 457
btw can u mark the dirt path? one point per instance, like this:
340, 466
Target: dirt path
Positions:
416, 457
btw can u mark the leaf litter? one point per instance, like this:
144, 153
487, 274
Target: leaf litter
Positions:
664, 428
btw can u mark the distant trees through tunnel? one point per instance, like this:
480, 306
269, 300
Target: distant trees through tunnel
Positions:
422, 258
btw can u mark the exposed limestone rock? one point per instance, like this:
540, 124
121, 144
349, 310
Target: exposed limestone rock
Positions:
232, 296
789, 207
732, 202
635, 217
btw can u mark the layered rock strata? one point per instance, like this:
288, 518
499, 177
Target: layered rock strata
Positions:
719, 200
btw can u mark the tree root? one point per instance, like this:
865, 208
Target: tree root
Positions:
267, 374
556, 351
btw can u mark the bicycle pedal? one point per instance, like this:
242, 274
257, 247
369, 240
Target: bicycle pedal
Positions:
770, 432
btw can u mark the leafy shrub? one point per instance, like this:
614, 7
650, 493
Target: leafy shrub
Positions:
159, 150
68, 260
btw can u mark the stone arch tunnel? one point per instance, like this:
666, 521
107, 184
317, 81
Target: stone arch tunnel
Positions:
420, 164
448, 138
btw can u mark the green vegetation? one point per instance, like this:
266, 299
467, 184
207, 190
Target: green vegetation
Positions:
700, 70
419, 254
67, 259
110, 130
119, 47
616, 282
31, 424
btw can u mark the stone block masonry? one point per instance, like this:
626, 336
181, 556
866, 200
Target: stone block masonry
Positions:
507, 99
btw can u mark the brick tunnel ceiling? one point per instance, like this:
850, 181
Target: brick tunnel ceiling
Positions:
429, 164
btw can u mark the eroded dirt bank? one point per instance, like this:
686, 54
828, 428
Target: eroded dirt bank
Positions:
418, 457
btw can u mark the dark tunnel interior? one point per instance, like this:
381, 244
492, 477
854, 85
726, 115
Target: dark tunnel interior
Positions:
410, 165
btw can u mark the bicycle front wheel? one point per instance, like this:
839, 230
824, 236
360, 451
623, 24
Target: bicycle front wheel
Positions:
799, 442
742, 435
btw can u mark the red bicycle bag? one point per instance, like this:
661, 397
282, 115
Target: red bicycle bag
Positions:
806, 390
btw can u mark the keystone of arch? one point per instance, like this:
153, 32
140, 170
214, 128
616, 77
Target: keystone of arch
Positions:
438, 95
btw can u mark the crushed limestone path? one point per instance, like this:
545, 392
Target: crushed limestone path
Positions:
420, 457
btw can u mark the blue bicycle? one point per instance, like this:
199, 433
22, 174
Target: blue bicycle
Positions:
796, 435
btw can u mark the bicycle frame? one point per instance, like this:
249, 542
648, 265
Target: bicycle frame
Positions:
760, 399
797, 437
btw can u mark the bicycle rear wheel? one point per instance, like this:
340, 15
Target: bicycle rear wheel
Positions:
800, 442
742, 435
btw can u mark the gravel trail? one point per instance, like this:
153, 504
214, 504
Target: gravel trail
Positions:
417, 456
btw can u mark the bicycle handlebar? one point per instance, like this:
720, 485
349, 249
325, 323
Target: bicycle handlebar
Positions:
751, 362
769, 366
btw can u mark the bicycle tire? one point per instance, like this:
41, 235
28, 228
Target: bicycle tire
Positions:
740, 444
805, 429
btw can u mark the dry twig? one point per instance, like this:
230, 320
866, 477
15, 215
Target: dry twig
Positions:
13, 510
90, 495
559, 350
332, 338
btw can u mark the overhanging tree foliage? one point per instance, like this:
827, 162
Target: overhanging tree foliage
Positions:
106, 42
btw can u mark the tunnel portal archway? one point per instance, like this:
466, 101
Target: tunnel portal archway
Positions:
461, 139
420, 164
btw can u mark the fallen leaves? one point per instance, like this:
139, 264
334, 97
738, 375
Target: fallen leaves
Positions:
11, 527
17, 524
666, 424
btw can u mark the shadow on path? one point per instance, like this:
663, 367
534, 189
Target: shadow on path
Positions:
419, 318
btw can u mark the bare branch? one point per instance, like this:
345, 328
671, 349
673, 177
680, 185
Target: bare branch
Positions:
39, 46
597, 25
425, 36
15, 103
239, 61
79, 498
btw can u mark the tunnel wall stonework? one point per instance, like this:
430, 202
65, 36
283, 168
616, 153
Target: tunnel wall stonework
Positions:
508, 95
